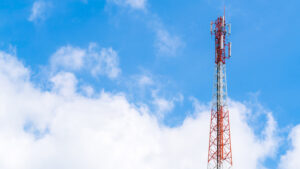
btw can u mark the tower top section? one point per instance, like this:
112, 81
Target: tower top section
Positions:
221, 30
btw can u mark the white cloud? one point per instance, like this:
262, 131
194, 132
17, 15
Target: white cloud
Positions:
97, 61
135, 4
64, 83
71, 58
12, 68
105, 62
144, 80
107, 131
88, 90
291, 159
167, 44
163, 105
38, 10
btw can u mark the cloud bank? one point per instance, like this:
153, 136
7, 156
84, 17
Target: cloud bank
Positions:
60, 128
291, 159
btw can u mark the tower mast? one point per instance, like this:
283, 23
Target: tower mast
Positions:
219, 151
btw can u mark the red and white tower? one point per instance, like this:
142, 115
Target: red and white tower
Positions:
219, 151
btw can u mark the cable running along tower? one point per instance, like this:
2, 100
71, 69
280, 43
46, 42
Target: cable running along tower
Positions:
219, 151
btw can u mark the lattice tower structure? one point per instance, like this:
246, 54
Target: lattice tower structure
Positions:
219, 151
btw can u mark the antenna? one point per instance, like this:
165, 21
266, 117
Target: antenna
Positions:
224, 10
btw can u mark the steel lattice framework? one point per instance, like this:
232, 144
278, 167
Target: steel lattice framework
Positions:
219, 152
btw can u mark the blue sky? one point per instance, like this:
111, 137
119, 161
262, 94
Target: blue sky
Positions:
168, 42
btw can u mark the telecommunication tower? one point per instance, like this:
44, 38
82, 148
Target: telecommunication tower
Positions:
219, 151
